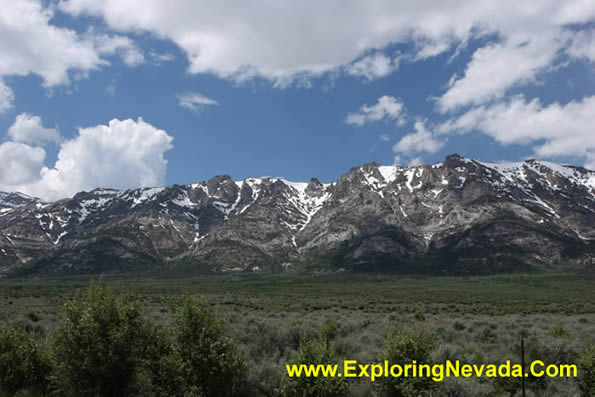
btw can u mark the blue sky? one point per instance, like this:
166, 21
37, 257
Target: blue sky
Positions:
275, 89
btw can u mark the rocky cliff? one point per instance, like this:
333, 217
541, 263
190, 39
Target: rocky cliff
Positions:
459, 216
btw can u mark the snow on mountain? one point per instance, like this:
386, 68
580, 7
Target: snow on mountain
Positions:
371, 212
15, 200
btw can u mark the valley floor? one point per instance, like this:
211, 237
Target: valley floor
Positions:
474, 319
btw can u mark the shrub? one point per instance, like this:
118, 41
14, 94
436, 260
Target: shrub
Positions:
458, 326
24, 362
33, 316
419, 316
328, 333
312, 352
559, 331
586, 372
209, 361
99, 346
161, 371
402, 347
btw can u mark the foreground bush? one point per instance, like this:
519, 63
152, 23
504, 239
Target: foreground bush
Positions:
24, 362
105, 347
402, 347
202, 359
312, 352
99, 348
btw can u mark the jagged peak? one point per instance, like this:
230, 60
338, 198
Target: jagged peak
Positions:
314, 187
381, 174
18, 194
219, 179
17, 199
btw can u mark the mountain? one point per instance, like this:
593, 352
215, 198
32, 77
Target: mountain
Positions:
14, 200
461, 216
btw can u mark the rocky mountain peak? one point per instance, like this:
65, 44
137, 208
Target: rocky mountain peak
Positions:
461, 215
16, 199
314, 188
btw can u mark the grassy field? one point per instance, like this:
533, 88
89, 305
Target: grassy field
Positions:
474, 319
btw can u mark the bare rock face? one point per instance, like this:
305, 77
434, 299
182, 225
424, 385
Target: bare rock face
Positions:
458, 217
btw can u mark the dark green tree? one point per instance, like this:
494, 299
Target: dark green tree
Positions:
24, 361
312, 352
403, 347
100, 347
204, 358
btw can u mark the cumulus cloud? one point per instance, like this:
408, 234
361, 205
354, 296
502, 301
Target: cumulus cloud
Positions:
28, 128
194, 101
31, 44
420, 141
21, 164
122, 154
260, 41
553, 130
373, 66
6, 97
387, 107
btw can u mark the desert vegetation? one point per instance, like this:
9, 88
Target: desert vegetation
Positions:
233, 335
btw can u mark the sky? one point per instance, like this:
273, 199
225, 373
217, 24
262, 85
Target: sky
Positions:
124, 94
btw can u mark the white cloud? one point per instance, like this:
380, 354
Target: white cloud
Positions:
6, 97
28, 128
21, 164
115, 44
162, 57
430, 48
420, 141
583, 45
123, 154
373, 66
553, 130
194, 100
496, 68
387, 107
414, 162
31, 45
259, 40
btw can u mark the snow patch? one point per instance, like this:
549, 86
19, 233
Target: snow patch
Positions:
182, 200
146, 194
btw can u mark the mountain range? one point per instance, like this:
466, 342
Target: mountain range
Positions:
460, 216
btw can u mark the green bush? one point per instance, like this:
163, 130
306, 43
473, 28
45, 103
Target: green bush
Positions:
24, 362
208, 361
328, 332
402, 347
586, 372
160, 372
312, 352
99, 347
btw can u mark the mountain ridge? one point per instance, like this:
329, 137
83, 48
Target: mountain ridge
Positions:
458, 216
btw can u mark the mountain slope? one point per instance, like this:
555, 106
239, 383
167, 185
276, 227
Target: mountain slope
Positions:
459, 216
